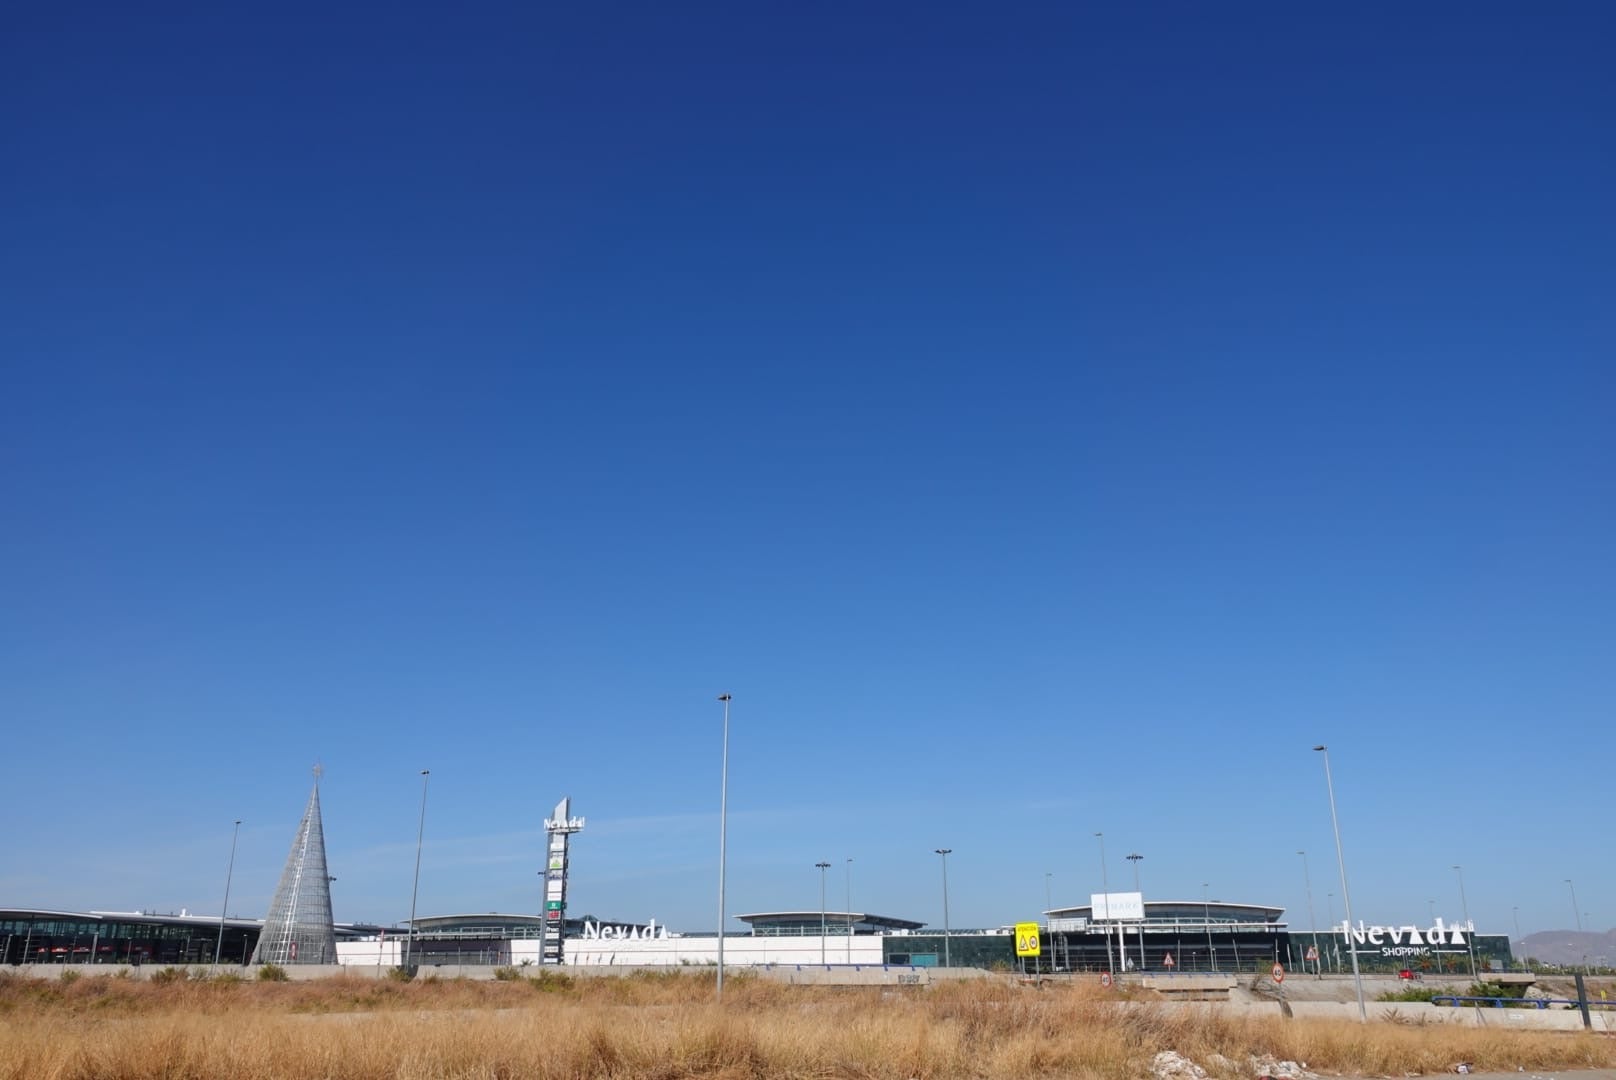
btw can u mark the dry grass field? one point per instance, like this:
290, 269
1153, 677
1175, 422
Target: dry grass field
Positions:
667, 1027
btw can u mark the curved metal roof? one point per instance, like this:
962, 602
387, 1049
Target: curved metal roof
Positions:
840, 918
1224, 910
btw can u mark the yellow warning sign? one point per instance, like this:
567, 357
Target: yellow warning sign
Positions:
1027, 939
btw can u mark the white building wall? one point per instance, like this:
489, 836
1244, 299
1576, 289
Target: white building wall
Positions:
698, 951
739, 951
387, 953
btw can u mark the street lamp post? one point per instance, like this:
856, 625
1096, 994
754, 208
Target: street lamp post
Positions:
1346, 895
849, 869
229, 872
1335, 950
1206, 917
1516, 912
1135, 858
823, 866
1312, 921
723, 822
1105, 883
1049, 923
1470, 930
1576, 912
948, 960
415, 889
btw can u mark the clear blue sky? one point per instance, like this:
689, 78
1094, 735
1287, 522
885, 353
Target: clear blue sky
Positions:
1044, 421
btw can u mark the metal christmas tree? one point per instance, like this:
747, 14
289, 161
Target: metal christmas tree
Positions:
298, 929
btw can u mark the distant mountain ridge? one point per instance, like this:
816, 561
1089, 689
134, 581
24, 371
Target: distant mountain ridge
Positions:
1570, 948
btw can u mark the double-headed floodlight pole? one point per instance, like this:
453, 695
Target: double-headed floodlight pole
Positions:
1346, 897
945, 852
229, 872
723, 822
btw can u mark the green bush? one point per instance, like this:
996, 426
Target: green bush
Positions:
551, 982
507, 974
1497, 990
1415, 993
168, 975
272, 973
69, 977
401, 974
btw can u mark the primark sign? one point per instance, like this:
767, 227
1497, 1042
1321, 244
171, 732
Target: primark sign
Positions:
1401, 941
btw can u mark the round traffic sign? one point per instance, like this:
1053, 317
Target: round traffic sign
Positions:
1105, 978
1279, 973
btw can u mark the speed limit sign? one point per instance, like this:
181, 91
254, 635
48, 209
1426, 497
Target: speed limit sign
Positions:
1279, 973
1105, 978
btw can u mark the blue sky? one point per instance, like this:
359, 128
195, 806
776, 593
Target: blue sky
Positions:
1044, 420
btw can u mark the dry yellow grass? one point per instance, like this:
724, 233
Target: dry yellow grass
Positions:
666, 1028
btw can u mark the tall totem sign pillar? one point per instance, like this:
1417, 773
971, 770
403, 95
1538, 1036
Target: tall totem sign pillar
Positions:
552, 932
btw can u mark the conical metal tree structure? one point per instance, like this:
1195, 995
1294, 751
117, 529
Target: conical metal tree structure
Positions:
298, 929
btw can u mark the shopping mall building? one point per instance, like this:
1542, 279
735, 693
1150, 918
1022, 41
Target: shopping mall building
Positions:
1169, 936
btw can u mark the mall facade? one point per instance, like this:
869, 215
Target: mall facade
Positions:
1168, 936
39, 936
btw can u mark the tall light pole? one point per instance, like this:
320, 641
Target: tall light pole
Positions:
1206, 917
1470, 930
849, 868
1312, 922
1516, 911
1105, 883
945, 852
823, 866
229, 872
723, 822
420, 831
1575, 910
1135, 858
1346, 895
1049, 920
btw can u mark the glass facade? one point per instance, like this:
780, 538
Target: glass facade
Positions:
70, 938
1227, 950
